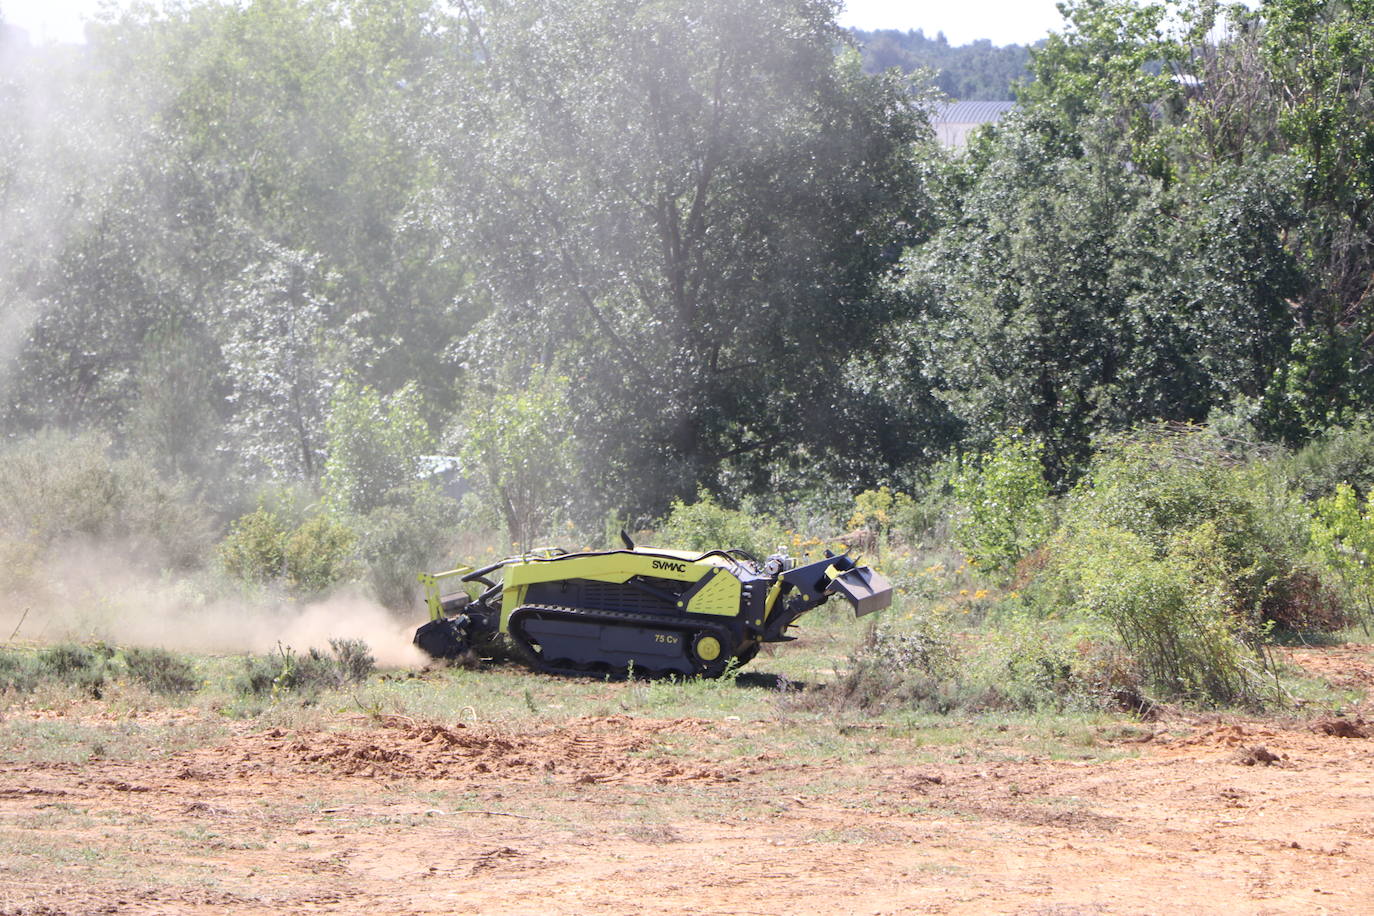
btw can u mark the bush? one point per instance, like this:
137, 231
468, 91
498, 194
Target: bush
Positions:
1192, 557
1160, 485
1175, 613
55, 487
319, 554
1343, 538
399, 541
254, 550
18, 671
915, 669
1027, 664
354, 660
1339, 456
261, 548
1003, 507
160, 671
285, 670
881, 511
1037, 664
86, 669
707, 525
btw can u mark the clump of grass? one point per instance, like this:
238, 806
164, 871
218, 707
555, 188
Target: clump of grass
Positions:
916, 669
160, 671
85, 668
354, 659
18, 671
348, 661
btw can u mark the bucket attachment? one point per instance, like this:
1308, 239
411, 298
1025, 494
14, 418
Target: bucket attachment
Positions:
867, 590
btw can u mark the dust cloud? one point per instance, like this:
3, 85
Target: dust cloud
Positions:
87, 592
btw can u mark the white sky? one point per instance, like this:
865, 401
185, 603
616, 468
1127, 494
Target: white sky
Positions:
49, 20
962, 21
1004, 21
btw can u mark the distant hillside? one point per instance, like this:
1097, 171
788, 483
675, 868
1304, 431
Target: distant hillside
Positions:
977, 72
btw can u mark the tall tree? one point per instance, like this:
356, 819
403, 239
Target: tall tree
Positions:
683, 206
1086, 276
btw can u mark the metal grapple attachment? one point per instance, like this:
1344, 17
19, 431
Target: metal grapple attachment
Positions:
861, 586
867, 590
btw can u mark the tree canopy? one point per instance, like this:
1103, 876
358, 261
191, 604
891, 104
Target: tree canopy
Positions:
712, 246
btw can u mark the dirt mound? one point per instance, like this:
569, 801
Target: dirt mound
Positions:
1224, 736
588, 750
1341, 728
1259, 754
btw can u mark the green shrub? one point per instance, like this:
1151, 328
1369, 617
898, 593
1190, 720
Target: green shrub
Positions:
1159, 485
398, 541
319, 554
255, 548
915, 669
1343, 538
56, 487
86, 669
353, 659
707, 525
160, 671
1339, 456
260, 673
1003, 506
1192, 556
1027, 664
1032, 663
880, 511
284, 670
1174, 612
18, 671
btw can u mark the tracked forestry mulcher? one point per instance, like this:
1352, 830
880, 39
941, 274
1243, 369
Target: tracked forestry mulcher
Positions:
642, 609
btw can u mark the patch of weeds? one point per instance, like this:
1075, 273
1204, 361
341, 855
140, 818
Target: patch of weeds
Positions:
160, 671
654, 834
18, 671
916, 669
845, 836
68, 741
84, 668
284, 670
199, 835
354, 659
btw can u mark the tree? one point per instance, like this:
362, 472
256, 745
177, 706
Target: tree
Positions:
683, 207
376, 447
516, 449
1087, 277
283, 360
188, 154
977, 71
1287, 88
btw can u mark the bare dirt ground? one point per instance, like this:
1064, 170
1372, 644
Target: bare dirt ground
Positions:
619, 814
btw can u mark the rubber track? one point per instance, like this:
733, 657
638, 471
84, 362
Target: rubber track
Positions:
592, 615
